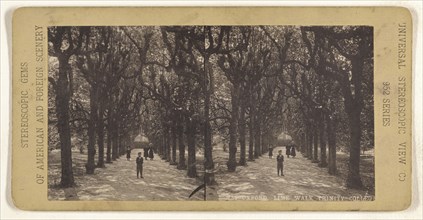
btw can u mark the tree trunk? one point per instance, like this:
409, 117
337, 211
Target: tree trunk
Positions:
323, 159
126, 142
257, 129
100, 134
264, 143
257, 137
118, 133
251, 127
192, 170
181, 145
160, 146
353, 107
315, 145
109, 143
354, 179
114, 140
233, 128
165, 143
173, 158
119, 148
251, 141
208, 151
62, 111
303, 144
121, 142
310, 143
332, 145
242, 159
168, 150
90, 165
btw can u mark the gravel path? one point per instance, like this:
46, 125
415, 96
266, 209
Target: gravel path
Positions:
256, 181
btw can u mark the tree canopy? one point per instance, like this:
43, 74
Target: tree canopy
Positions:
189, 88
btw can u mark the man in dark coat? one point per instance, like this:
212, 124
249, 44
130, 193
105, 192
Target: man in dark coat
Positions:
128, 153
279, 160
270, 152
140, 161
151, 153
145, 153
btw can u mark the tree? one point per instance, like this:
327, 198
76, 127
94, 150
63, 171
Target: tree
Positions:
93, 63
212, 38
64, 42
234, 64
347, 57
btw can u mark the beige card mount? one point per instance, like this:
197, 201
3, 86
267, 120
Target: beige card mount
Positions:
212, 108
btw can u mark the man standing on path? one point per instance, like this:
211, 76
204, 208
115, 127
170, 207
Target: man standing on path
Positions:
270, 152
279, 160
140, 161
128, 153
145, 153
288, 150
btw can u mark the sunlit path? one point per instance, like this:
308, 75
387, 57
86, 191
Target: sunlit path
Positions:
256, 181
302, 181
118, 181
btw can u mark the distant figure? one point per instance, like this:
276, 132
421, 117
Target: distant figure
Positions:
145, 153
293, 151
270, 152
288, 150
279, 160
151, 153
140, 161
128, 153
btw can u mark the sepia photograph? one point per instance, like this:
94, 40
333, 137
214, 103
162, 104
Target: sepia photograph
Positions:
211, 113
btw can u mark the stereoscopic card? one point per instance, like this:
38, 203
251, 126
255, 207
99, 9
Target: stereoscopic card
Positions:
212, 108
